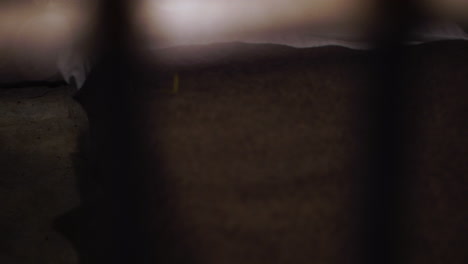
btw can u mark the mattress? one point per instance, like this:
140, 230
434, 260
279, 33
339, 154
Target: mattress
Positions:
259, 158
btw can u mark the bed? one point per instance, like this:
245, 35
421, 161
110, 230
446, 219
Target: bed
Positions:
252, 148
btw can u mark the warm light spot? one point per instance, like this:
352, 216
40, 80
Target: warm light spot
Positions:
33, 35
183, 22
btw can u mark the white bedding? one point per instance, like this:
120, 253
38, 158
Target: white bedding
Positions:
39, 41
73, 66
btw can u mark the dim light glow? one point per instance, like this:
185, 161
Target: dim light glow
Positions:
182, 22
33, 35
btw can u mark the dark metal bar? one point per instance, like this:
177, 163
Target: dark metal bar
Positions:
384, 186
110, 100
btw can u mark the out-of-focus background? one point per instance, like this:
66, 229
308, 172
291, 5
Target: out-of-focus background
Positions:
259, 148
35, 33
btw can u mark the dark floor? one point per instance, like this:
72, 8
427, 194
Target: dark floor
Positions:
260, 161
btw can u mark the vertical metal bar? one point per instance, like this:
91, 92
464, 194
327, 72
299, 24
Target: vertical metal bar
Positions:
110, 101
386, 104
